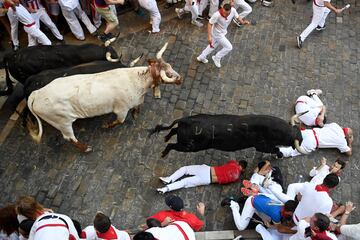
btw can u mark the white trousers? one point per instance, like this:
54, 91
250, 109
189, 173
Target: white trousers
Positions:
242, 221
271, 234
35, 35
97, 16
203, 4
318, 19
198, 175
311, 104
193, 7
41, 15
72, 16
214, 6
223, 42
152, 7
247, 9
14, 25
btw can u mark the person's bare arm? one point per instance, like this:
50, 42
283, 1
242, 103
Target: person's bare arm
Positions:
209, 34
332, 8
111, 2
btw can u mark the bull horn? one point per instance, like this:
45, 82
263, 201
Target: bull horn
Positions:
162, 50
110, 59
295, 118
132, 63
165, 78
299, 148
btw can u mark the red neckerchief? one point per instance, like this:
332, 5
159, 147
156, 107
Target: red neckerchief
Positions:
221, 11
346, 131
322, 188
321, 236
109, 234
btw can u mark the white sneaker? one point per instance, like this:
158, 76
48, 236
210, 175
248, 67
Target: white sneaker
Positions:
179, 12
162, 190
165, 180
203, 60
216, 62
314, 91
196, 23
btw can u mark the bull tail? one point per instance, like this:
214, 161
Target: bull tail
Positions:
9, 85
30, 125
158, 128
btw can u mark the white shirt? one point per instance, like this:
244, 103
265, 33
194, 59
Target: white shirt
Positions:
312, 201
41, 230
90, 233
330, 136
300, 235
220, 24
352, 232
23, 15
69, 4
172, 232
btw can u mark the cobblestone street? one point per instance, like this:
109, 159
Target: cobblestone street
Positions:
264, 74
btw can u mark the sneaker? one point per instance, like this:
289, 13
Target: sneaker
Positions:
196, 23
299, 42
162, 190
247, 192
203, 60
237, 22
201, 17
216, 62
16, 47
314, 91
318, 28
226, 201
208, 18
179, 12
165, 180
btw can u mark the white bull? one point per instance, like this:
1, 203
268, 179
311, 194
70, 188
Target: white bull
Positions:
66, 99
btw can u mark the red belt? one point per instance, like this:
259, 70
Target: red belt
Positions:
300, 102
317, 140
317, 4
181, 230
29, 25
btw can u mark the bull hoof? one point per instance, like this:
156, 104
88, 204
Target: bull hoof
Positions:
88, 149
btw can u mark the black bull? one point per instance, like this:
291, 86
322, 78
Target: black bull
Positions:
230, 133
43, 78
29, 61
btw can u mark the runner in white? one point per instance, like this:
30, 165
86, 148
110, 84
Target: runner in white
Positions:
53, 226
321, 8
39, 13
193, 7
217, 29
155, 17
315, 198
72, 10
177, 230
312, 107
35, 35
330, 136
246, 10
